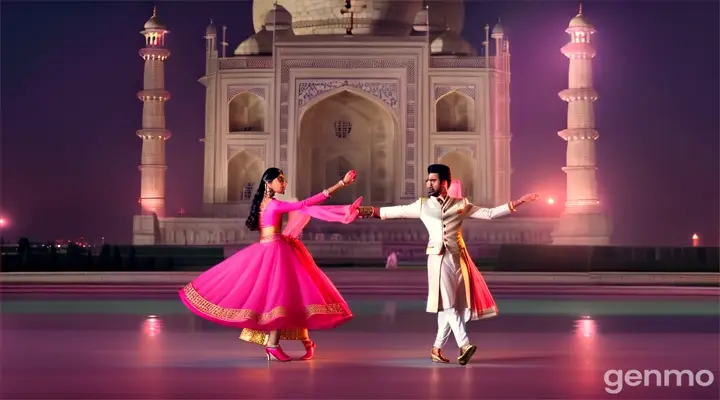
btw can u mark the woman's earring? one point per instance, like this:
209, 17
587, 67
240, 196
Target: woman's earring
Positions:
268, 191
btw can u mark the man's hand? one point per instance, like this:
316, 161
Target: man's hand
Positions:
368, 212
529, 198
525, 199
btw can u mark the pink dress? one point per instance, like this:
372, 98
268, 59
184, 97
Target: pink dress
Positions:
274, 284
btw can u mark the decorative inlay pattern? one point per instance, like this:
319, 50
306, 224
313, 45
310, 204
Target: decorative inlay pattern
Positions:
441, 150
464, 62
236, 90
385, 91
409, 187
441, 91
246, 63
255, 150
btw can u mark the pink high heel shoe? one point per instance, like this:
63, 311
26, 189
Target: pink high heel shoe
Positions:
276, 353
310, 350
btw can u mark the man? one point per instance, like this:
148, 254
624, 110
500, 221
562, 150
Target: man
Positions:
456, 290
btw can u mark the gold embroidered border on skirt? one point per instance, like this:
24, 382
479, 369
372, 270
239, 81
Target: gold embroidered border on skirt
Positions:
238, 315
261, 337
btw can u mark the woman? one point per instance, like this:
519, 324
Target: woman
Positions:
274, 288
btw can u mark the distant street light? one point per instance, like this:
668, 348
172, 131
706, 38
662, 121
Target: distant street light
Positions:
695, 240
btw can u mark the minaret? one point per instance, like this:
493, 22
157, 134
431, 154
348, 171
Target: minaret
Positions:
501, 116
582, 222
153, 132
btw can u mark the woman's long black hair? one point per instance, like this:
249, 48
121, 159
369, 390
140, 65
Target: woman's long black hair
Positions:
253, 220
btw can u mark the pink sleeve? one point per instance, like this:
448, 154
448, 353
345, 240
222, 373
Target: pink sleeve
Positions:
284, 206
300, 218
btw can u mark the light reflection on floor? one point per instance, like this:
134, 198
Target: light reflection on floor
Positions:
380, 354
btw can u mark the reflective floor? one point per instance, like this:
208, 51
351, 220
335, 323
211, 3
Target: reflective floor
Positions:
99, 346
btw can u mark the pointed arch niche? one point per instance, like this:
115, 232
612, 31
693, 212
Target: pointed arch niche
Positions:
244, 172
246, 113
455, 112
343, 130
461, 167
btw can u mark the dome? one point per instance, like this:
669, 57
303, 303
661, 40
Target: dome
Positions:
421, 20
380, 17
154, 22
580, 22
446, 14
210, 30
498, 29
278, 18
262, 43
451, 43
258, 44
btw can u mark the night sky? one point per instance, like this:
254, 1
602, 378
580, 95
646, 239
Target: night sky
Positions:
71, 71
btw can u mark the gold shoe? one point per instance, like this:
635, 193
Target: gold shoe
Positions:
436, 356
466, 353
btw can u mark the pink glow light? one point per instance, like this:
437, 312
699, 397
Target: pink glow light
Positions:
695, 240
586, 327
152, 326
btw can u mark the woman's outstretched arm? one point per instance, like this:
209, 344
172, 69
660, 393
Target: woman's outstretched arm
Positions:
284, 206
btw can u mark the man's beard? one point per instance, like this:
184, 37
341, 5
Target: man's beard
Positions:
434, 193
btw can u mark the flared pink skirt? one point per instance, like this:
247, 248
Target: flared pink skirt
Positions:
267, 286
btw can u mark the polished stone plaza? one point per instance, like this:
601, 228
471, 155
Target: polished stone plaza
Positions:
99, 345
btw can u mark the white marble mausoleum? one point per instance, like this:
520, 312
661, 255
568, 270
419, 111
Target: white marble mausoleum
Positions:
383, 87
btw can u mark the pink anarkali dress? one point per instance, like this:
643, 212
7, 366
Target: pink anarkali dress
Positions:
274, 284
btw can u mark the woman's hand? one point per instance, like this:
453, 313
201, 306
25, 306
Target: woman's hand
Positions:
349, 177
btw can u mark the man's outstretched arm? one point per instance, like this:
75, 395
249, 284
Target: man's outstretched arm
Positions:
500, 211
396, 212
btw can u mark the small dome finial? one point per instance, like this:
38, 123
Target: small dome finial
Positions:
154, 12
580, 9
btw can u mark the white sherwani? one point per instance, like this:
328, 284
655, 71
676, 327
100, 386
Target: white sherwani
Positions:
447, 275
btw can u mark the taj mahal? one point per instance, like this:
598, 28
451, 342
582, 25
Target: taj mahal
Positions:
380, 86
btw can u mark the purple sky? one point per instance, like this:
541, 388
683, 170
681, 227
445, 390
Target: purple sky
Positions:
69, 111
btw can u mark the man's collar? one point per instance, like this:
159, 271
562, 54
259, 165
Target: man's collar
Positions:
441, 199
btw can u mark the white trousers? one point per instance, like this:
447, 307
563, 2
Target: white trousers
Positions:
452, 295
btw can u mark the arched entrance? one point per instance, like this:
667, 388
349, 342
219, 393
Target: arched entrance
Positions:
343, 131
246, 113
454, 112
244, 172
461, 167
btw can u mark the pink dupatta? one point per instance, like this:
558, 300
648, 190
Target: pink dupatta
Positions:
298, 219
480, 300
